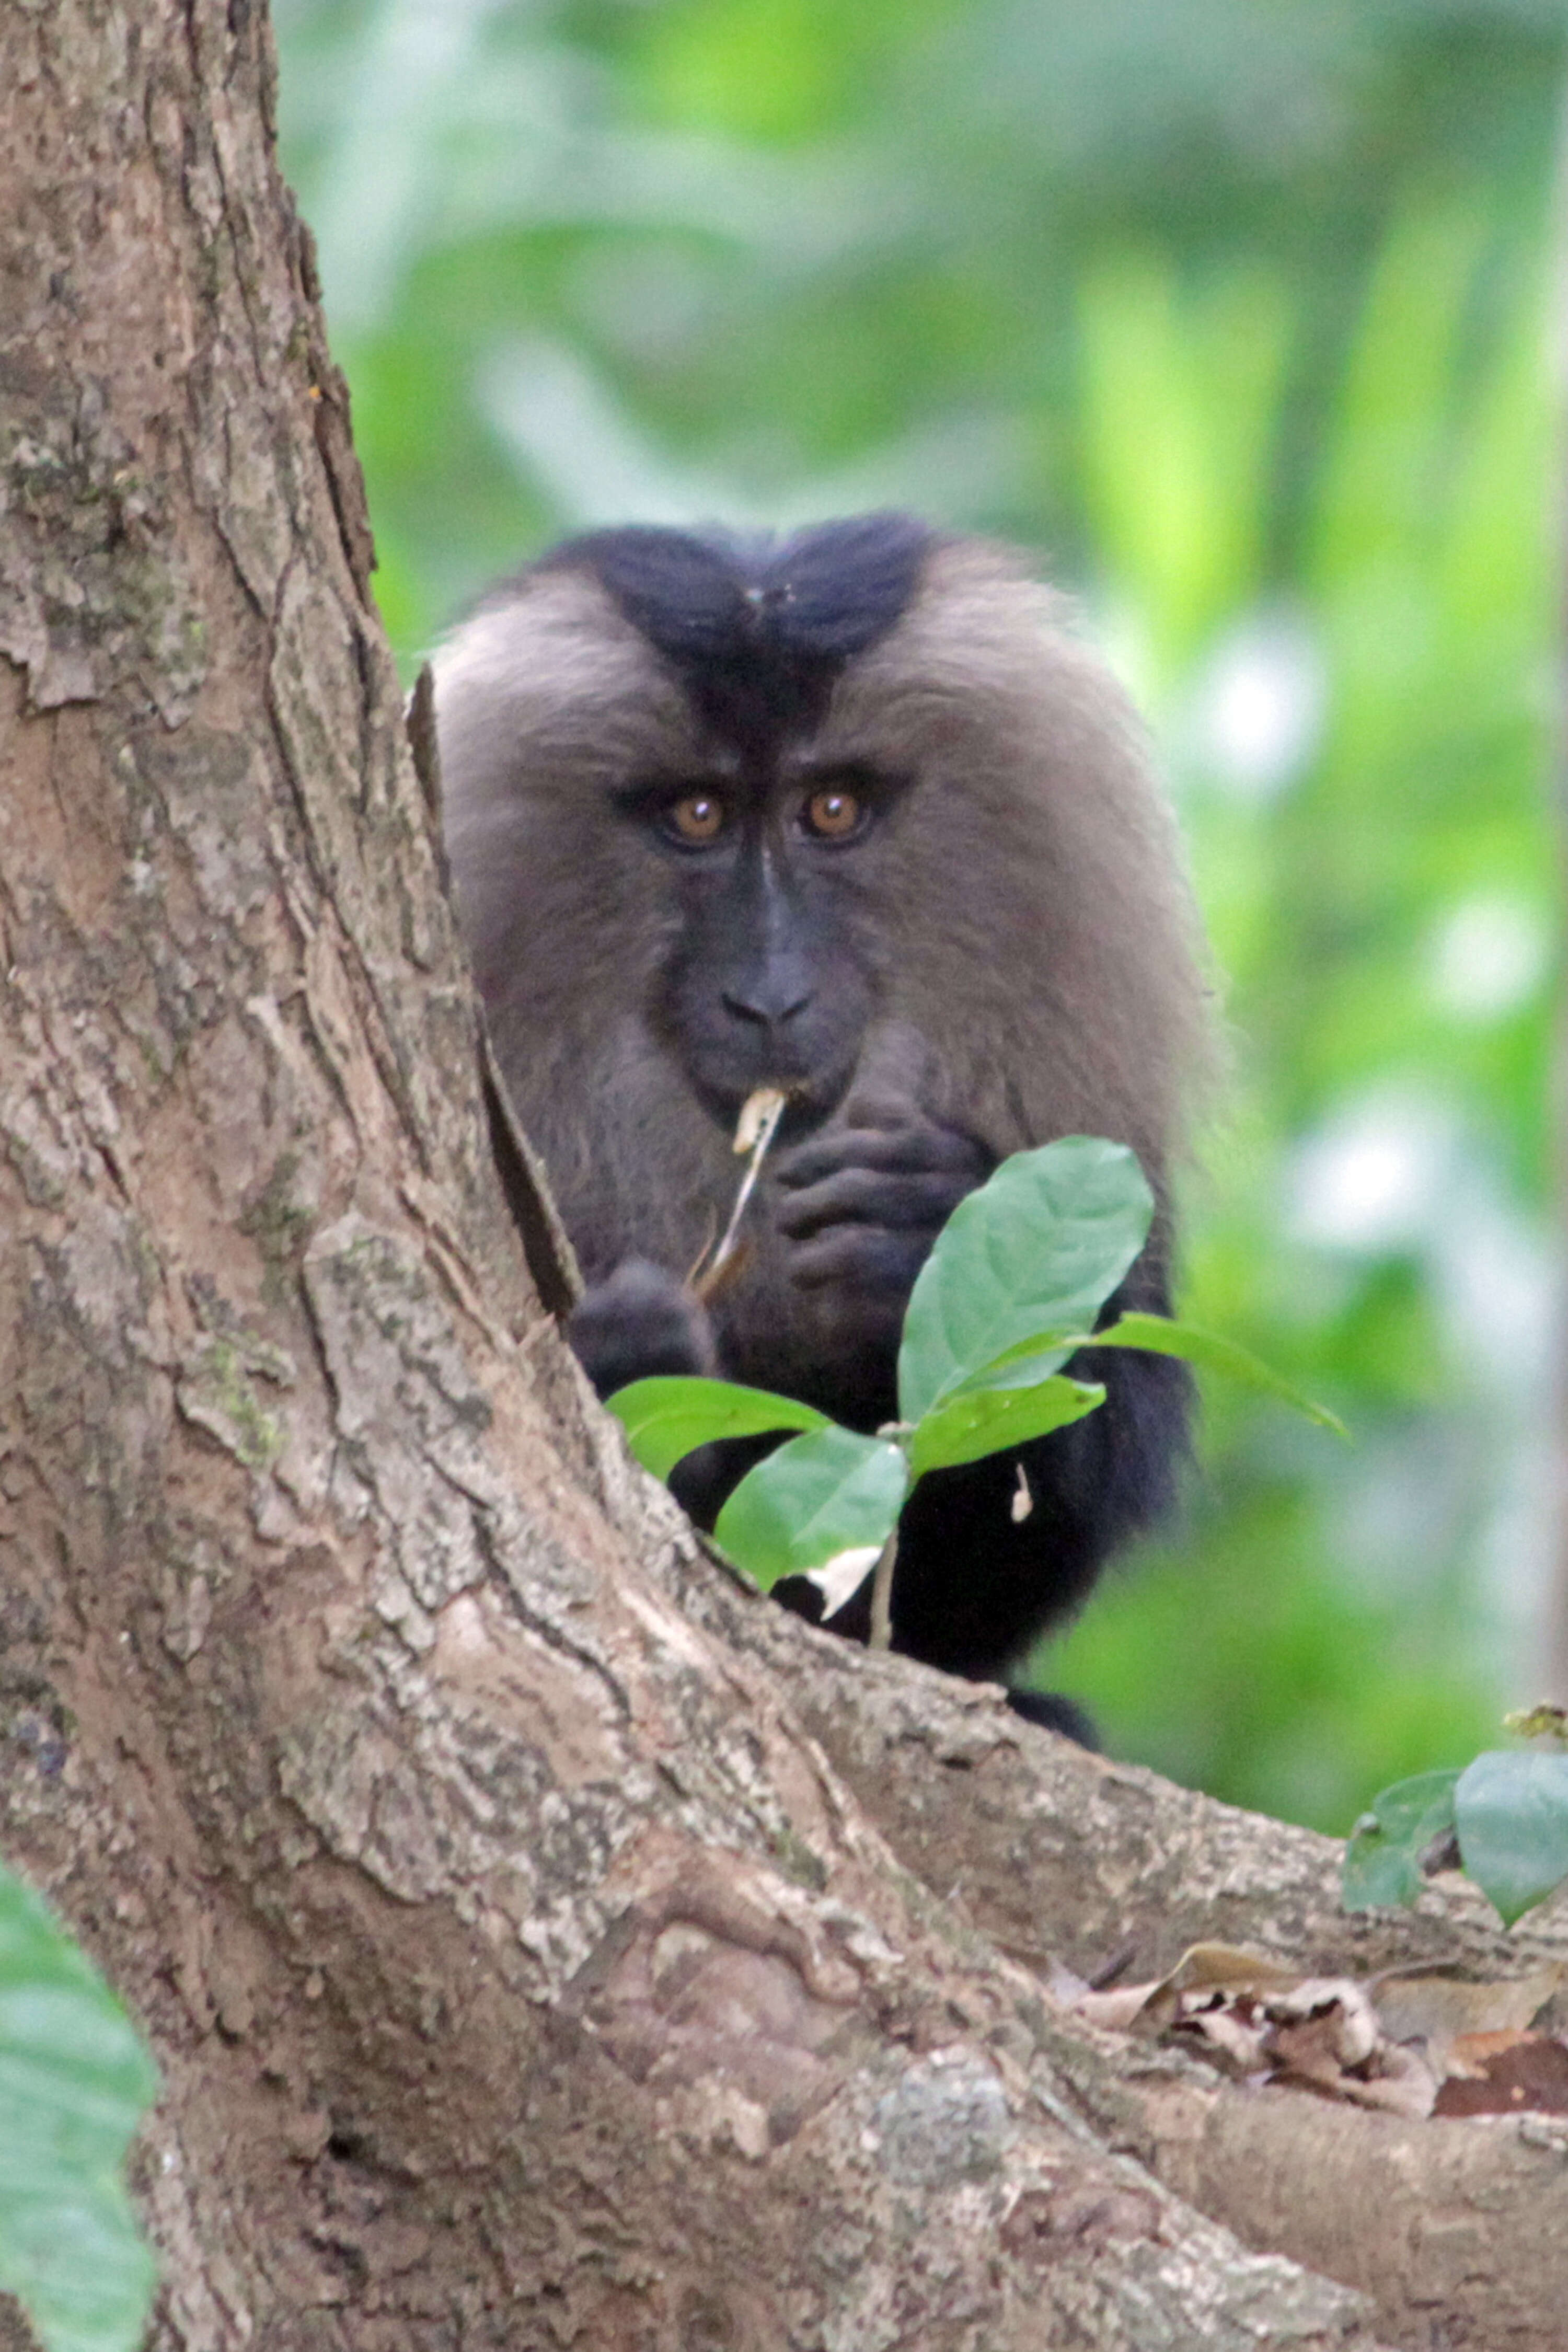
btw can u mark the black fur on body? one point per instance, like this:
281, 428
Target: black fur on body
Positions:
1000, 952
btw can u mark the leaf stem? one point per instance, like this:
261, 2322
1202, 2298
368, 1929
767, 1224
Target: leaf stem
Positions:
882, 1637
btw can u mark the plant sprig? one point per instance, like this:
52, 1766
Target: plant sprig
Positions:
1010, 1293
1502, 1818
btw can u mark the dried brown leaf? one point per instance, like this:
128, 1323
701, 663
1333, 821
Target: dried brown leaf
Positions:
1530, 2075
1435, 2009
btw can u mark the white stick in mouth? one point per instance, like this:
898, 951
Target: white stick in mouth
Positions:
754, 1131
760, 1115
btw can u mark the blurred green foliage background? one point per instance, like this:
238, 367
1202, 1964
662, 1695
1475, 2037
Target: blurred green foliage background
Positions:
1236, 311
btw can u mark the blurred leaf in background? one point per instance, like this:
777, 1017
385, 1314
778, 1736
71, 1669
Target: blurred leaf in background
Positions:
1238, 313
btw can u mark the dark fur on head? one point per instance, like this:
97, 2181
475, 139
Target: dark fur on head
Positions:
1007, 955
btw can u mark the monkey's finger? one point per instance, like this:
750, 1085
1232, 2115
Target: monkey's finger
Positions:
866, 1196
911, 1150
864, 1108
861, 1259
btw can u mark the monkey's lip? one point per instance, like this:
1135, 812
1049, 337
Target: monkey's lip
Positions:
807, 1100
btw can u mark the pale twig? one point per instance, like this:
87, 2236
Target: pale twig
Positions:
760, 1116
882, 1637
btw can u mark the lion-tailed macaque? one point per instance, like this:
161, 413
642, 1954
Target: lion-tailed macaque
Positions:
856, 815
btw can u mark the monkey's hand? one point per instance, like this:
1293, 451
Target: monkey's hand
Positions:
640, 1322
859, 1210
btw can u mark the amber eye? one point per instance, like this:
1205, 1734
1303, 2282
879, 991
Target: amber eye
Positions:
833, 816
698, 819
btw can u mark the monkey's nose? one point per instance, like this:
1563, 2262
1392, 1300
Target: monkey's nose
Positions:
770, 1003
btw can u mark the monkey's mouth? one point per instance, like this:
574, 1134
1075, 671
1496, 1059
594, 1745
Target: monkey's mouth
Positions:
808, 1100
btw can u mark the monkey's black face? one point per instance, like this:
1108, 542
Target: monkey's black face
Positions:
769, 973
769, 870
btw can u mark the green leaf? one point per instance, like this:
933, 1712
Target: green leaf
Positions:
1037, 1249
830, 1492
1383, 1860
1025, 1365
665, 1419
1157, 1335
1510, 1809
979, 1421
74, 2080
1163, 1335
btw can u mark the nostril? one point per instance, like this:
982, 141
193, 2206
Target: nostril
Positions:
768, 1009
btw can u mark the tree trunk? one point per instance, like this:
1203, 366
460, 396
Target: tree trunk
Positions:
543, 1942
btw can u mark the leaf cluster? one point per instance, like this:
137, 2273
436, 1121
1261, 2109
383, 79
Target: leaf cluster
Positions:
1504, 1816
1012, 1290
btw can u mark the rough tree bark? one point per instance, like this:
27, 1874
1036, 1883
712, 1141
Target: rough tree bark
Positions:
543, 1942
